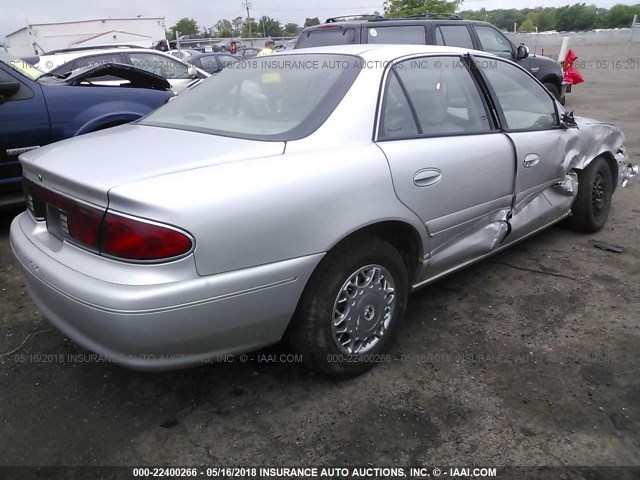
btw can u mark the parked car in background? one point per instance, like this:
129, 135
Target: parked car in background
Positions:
315, 195
53, 59
446, 29
286, 44
179, 73
184, 54
193, 41
37, 109
213, 62
225, 45
248, 52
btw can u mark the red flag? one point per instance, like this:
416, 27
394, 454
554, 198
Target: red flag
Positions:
571, 74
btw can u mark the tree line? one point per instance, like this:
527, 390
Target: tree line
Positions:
577, 17
240, 27
570, 18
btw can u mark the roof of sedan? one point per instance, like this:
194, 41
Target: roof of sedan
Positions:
383, 52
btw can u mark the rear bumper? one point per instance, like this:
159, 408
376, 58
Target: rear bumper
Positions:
166, 325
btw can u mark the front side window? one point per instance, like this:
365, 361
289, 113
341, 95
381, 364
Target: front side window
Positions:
409, 35
494, 42
160, 65
277, 97
454, 36
443, 95
227, 60
209, 63
526, 104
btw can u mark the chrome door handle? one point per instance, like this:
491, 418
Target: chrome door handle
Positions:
531, 160
429, 176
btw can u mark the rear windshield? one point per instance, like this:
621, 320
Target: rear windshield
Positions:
325, 36
277, 97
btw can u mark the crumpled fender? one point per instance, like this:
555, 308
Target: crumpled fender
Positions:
592, 139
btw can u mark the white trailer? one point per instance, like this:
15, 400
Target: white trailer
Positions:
38, 38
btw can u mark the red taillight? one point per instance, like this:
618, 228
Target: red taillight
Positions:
76, 221
104, 232
124, 237
82, 224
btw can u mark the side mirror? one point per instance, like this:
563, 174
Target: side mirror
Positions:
522, 52
568, 120
7, 89
192, 72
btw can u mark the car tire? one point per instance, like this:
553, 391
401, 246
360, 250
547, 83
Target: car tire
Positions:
555, 91
223, 49
368, 275
591, 207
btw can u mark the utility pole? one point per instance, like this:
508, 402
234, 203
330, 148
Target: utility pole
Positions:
248, 5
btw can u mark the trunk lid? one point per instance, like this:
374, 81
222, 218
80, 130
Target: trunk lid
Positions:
87, 167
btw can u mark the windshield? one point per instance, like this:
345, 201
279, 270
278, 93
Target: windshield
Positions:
279, 97
20, 66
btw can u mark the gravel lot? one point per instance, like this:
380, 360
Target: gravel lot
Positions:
529, 358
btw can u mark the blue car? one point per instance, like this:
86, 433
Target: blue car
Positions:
37, 109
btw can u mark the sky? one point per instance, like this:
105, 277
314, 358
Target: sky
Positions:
14, 14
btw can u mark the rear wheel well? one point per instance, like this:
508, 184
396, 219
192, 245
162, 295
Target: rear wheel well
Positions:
404, 238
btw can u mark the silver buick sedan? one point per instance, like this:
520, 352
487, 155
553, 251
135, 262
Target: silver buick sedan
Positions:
302, 195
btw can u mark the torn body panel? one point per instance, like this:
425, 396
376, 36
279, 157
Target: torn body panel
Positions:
549, 206
482, 236
593, 139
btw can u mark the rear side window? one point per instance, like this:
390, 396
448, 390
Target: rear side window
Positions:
160, 65
398, 120
441, 95
325, 36
97, 60
414, 35
90, 61
453, 36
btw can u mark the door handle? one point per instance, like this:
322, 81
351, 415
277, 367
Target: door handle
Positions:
429, 176
531, 160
